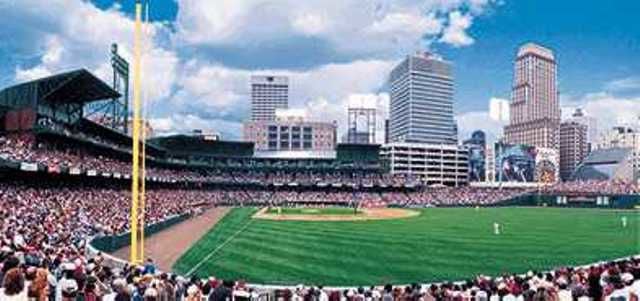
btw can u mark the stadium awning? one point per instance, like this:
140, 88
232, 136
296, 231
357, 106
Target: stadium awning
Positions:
77, 87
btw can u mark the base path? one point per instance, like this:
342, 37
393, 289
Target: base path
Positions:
363, 215
166, 246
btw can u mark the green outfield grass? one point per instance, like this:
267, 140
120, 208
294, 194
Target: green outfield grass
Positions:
439, 244
314, 211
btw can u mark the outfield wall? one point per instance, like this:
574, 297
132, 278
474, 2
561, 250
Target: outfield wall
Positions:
575, 201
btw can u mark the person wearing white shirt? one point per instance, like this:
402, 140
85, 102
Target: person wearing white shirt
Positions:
509, 297
375, 294
634, 289
481, 295
323, 296
620, 293
564, 294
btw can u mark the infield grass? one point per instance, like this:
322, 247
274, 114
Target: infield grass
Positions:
439, 244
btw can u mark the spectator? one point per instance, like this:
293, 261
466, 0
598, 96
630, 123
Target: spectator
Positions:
13, 286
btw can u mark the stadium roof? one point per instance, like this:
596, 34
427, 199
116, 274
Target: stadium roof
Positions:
78, 86
601, 164
197, 145
607, 156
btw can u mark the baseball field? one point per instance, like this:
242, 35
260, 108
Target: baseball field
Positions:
431, 245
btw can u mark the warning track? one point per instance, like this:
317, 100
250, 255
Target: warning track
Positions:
168, 245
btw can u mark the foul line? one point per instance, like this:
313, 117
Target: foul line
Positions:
218, 248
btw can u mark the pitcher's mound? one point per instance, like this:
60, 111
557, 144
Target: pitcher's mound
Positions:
313, 214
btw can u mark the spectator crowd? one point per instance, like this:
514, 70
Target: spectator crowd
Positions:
45, 228
614, 187
56, 154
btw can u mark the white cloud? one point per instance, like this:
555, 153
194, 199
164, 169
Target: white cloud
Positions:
310, 23
408, 23
54, 51
32, 73
478, 120
196, 93
215, 22
608, 109
349, 26
212, 85
456, 31
184, 123
80, 36
624, 85
219, 92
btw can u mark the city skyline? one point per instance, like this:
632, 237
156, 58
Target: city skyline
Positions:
200, 65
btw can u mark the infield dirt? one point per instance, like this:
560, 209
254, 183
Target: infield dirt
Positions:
364, 215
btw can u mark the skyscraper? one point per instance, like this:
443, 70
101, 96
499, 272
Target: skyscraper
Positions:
499, 110
361, 125
421, 101
268, 93
534, 110
476, 145
591, 123
573, 147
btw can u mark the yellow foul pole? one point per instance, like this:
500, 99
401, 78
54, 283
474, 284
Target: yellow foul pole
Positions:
143, 128
135, 172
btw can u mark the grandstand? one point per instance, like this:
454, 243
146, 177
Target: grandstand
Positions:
65, 195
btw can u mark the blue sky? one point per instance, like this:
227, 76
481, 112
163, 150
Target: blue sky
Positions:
336, 52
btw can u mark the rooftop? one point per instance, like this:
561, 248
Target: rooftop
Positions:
77, 86
535, 49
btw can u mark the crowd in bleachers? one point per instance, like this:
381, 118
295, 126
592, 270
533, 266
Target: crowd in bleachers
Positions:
26, 148
45, 227
323, 178
592, 187
616, 280
462, 196
44, 230
42, 258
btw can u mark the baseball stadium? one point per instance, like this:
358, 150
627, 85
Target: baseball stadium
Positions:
93, 209
212, 210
